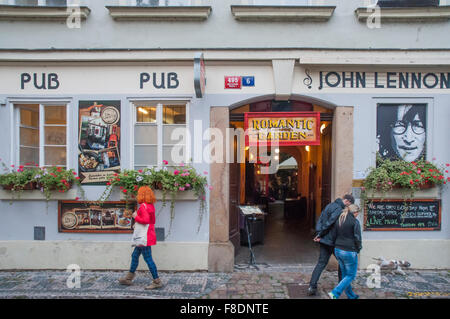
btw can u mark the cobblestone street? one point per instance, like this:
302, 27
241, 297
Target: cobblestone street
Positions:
269, 282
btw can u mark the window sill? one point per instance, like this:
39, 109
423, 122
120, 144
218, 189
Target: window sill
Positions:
282, 13
12, 12
37, 195
429, 193
411, 14
177, 13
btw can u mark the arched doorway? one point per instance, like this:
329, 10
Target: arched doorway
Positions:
331, 179
290, 198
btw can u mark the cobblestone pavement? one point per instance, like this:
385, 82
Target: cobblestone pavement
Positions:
269, 282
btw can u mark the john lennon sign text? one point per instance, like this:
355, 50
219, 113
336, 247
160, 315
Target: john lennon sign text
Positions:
380, 80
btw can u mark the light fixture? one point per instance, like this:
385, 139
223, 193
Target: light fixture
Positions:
247, 148
277, 158
322, 128
142, 110
307, 148
277, 150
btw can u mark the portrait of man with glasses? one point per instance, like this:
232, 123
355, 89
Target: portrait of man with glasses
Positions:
401, 131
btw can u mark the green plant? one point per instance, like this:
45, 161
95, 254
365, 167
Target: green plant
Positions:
181, 179
409, 176
17, 180
56, 178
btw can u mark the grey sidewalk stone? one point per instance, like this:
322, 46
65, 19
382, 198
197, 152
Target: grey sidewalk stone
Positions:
267, 282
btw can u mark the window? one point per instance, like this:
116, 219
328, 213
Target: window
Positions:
160, 3
408, 3
281, 2
42, 135
156, 134
62, 3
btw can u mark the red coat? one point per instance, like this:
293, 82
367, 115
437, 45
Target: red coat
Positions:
146, 215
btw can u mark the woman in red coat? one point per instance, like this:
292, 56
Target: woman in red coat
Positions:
145, 215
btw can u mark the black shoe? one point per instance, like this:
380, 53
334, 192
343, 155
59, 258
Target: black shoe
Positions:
312, 291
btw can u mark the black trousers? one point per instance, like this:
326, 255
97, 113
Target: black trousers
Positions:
325, 254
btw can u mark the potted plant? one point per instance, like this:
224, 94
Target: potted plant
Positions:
407, 176
56, 179
182, 178
18, 180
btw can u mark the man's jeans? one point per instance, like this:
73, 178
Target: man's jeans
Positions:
348, 261
325, 254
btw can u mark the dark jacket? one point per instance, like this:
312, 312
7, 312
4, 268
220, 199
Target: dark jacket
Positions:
327, 219
347, 236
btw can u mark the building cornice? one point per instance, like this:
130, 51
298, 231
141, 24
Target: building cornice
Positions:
406, 14
303, 56
47, 13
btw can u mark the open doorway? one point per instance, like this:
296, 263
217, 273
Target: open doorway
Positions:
291, 198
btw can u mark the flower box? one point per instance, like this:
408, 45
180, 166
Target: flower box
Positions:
188, 195
400, 193
37, 195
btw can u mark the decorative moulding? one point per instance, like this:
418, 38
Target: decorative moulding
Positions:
181, 13
282, 13
405, 14
51, 13
37, 195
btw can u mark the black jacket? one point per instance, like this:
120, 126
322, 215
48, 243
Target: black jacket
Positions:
327, 219
347, 236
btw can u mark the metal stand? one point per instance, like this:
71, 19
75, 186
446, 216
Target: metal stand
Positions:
252, 259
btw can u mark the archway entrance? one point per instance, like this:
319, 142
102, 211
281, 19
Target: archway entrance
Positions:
291, 198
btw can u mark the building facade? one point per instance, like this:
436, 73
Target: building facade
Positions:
343, 59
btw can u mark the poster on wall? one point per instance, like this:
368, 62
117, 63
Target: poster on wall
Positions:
89, 217
401, 131
98, 141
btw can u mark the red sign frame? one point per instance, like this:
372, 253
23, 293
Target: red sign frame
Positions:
233, 84
251, 115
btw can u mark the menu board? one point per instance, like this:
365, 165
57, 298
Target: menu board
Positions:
89, 217
417, 214
251, 210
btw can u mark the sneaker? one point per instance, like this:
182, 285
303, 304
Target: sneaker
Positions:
312, 291
331, 295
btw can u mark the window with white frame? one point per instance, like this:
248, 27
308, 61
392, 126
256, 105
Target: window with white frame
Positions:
157, 138
40, 2
160, 3
281, 2
41, 136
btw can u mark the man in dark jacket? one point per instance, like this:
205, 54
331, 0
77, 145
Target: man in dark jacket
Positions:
326, 220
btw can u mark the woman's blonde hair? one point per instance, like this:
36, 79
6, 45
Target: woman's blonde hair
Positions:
350, 209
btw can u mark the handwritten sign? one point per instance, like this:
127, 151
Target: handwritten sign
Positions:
417, 214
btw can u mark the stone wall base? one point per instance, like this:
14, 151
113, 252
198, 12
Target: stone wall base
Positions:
421, 253
94, 255
221, 257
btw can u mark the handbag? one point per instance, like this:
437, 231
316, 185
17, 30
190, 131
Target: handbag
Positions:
140, 234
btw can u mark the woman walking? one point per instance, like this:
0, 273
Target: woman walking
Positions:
346, 233
145, 222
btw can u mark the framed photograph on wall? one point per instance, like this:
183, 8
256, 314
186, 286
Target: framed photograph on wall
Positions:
98, 141
89, 217
402, 131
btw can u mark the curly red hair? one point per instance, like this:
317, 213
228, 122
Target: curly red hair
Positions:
145, 195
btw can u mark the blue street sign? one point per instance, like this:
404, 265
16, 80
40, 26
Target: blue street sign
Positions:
248, 81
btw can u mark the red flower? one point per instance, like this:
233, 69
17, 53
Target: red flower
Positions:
140, 171
115, 174
77, 198
447, 164
77, 177
411, 182
165, 162
74, 173
176, 172
124, 191
108, 183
